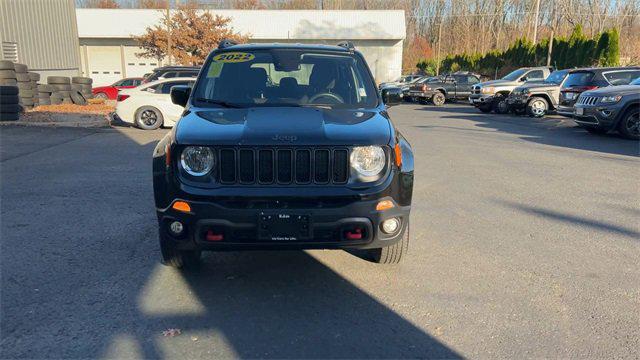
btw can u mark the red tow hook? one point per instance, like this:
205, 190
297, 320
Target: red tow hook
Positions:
211, 236
356, 234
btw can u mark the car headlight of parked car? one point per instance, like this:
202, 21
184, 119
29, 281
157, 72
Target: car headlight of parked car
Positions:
488, 90
610, 99
197, 160
368, 161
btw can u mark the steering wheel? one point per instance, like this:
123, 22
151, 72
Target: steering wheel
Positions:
329, 95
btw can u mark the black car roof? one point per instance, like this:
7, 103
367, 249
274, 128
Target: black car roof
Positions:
267, 46
603, 69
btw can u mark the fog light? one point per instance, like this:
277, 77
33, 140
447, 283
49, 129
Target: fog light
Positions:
390, 226
176, 227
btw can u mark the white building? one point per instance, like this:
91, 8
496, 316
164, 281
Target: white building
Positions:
108, 52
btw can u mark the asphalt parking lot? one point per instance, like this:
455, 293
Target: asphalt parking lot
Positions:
525, 243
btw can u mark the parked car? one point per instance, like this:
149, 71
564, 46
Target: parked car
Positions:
285, 159
149, 106
610, 108
407, 87
455, 86
400, 81
492, 95
581, 80
111, 92
537, 99
166, 72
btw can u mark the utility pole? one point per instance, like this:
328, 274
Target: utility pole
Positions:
439, 41
535, 23
168, 17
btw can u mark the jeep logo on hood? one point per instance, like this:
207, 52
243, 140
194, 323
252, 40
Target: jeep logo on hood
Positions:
288, 138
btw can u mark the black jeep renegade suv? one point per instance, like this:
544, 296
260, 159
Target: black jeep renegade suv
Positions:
283, 147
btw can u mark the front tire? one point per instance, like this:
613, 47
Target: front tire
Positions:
438, 99
629, 126
175, 258
500, 105
149, 118
391, 254
537, 107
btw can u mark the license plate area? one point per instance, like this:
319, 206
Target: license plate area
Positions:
283, 226
579, 111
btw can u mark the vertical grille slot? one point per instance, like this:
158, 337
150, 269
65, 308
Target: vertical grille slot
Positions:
321, 167
303, 166
340, 166
227, 166
246, 166
285, 166
265, 166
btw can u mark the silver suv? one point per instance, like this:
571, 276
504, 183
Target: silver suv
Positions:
492, 95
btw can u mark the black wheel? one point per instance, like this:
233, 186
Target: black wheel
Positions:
78, 98
598, 131
101, 95
629, 125
485, 108
8, 90
81, 80
62, 80
20, 68
500, 105
8, 99
9, 116
11, 108
173, 257
537, 107
391, 254
519, 111
149, 118
438, 99
6, 65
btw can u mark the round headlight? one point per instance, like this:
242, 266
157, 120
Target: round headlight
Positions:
197, 160
368, 160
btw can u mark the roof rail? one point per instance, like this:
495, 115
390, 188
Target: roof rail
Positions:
225, 43
347, 45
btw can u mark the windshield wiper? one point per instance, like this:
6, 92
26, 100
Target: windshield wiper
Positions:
218, 102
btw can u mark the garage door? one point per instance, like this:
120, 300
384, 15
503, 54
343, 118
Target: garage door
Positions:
104, 64
136, 66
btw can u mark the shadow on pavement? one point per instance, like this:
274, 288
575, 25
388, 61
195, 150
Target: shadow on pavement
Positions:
550, 130
81, 276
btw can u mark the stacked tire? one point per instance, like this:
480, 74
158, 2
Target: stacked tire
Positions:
10, 108
82, 85
34, 77
7, 74
25, 86
44, 94
61, 86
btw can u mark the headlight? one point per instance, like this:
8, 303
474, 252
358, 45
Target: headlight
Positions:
611, 99
524, 91
197, 160
368, 160
488, 90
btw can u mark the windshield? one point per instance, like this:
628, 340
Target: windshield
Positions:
515, 75
635, 82
285, 77
556, 77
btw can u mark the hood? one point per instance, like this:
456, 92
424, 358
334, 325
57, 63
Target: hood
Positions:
495, 83
282, 126
614, 90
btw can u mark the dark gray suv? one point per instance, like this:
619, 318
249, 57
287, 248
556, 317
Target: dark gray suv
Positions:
609, 108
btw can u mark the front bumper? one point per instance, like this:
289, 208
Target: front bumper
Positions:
602, 117
480, 99
242, 223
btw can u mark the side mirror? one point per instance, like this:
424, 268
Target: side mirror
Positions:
392, 95
180, 94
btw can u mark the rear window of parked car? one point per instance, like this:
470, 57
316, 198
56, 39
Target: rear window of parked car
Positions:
621, 77
579, 78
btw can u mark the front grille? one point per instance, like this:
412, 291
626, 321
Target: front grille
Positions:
270, 165
476, 89
587, 100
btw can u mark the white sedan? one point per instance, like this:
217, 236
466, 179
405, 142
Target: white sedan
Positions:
149, 106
